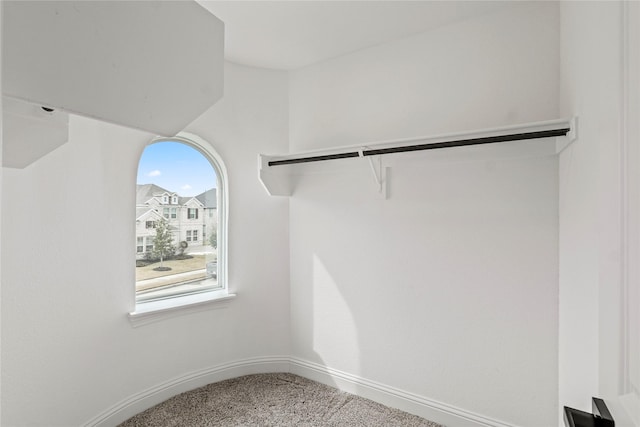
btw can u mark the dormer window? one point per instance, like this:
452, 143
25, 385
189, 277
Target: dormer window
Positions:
165, 199
174, 200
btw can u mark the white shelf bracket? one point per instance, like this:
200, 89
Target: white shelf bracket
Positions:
562, 142
276, 182
379, 174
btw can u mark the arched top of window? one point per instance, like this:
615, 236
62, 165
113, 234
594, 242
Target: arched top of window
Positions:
181, 223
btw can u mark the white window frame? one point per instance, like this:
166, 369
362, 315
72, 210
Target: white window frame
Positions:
152, 311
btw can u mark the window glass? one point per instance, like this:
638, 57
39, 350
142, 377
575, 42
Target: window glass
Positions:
166, 265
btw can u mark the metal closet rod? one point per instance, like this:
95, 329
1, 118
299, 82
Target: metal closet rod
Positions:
419, 147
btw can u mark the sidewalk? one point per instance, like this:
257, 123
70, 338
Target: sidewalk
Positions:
170, 279
199, 250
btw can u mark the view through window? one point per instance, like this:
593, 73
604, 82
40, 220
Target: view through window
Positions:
176, 222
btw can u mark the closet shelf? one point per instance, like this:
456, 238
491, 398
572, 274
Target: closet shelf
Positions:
552, 137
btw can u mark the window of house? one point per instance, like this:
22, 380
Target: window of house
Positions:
148, 247
165, 199
170, 274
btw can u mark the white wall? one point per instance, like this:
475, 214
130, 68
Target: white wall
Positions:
448, 289
68, 350
1, 159
433, 83
593, 243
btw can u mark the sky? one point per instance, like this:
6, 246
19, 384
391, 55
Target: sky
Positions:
176, 167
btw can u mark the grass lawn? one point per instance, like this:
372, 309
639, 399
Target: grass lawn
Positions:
177, 266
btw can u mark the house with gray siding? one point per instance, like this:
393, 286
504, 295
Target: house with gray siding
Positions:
190, 218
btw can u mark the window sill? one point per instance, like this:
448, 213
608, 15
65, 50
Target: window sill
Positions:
154, 311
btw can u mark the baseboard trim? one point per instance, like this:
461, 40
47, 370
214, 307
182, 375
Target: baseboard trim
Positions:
145, 399
433, 410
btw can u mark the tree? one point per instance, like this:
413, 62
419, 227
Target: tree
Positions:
213, 238
163, 243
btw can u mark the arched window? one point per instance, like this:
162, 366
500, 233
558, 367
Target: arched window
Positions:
181, 213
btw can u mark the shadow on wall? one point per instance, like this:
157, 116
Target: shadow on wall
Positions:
446, 290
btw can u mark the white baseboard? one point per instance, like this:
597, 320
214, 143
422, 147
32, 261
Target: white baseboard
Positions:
145, 399
439, 412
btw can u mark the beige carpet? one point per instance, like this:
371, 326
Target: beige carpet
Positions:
272, 400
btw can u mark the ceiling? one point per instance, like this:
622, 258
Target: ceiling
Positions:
292, 34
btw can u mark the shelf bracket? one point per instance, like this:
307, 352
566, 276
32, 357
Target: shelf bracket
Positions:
563, 142
380, 174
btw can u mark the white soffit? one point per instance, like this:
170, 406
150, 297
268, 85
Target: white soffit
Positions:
150, 65
29, 132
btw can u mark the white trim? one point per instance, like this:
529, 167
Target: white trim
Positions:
625, 218
151, 211
625, 407
154, 311
430, 409
222, 194
152, 396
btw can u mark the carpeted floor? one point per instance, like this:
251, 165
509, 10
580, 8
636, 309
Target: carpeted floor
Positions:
272, 400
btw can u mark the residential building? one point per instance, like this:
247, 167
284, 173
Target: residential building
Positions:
189, 218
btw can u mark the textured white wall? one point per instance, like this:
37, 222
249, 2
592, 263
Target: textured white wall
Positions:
68, 350
449, 288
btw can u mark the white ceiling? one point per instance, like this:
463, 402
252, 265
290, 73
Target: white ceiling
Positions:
292, 34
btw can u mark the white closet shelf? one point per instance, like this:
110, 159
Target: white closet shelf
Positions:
548, 138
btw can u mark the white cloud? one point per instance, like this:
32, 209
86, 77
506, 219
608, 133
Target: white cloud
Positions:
154, 173
186, 187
